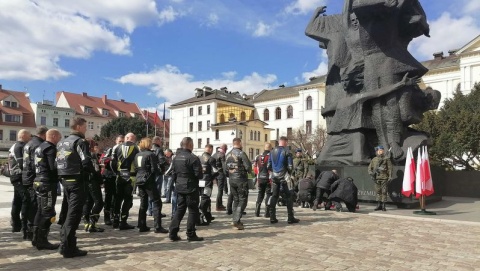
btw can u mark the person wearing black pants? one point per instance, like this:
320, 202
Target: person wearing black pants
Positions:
123, 161
109, 181
323, 184
187, 171
146, 168
208, 168
94, 201
45, 185
263, 180
219, 157
73, 164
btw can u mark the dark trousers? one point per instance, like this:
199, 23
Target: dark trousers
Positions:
46, 199
109, 187
123, 198
264, 188
94, 201
338, 205
239, 191
185, 201
280, 188
29, 206
75, 194
222, 186
205, 205
17, 205
168, 188
149, 192
320, 198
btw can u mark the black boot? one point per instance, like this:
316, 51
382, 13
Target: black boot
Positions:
124, 225
157, 222
379, 206
116, 221
86, 223
315, 205
93, 224
25, 233
383, 207
257, 210
42, 241
142, 226
107, 220
194, 238
35, 236
273, 215
267, 211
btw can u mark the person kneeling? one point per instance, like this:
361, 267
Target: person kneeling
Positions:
344, 190
306, 191
146, 168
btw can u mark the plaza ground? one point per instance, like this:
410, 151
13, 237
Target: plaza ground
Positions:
323, 240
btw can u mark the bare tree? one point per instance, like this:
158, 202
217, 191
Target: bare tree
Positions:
309, 143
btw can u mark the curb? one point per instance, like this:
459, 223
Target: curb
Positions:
436, 220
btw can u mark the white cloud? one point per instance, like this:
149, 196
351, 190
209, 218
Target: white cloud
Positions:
212, 19
173, 85
320, 70
303, 6
446, 33
167, 15
262, 29
471, 7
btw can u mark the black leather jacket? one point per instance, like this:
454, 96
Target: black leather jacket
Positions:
237, 165
187, 171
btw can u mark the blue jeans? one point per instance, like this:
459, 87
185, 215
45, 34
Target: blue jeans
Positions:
167, 187
159, 183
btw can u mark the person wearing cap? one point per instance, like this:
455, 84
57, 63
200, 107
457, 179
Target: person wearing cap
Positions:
299, 172
381, 170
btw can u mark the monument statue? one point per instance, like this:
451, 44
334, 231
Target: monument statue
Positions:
372, 91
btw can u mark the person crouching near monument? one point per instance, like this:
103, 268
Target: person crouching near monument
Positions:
306, 191
344, 190
45, 185
187, 171
323, 184
146, 168
381, 170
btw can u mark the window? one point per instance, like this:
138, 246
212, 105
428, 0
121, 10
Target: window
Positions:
191, 127
1, 134
217, 134
121, 114
308, 127
208, 109
199, 143
250, 153
105, 112
266, 115
208, 125
243, 116
251, 135
67, 114
87, 110
289, 112
67, 123
278, 113
199, 110
208, 140
44, 111
43, 120
257, 152
199, 126
55, 112
309, 103
232, 117
12, 118
55, 122
222, 118
289, 132
258, 136
10, 104
90, 125
266, 137
13, 135
191, 112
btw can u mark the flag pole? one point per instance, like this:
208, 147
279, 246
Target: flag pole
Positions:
424, 169
163, 119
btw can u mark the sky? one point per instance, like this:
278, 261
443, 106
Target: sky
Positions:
158, 51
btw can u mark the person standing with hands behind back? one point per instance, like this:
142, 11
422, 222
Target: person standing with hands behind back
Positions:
381, 170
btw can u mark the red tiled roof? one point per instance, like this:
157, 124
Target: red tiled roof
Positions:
75, 101
24, 109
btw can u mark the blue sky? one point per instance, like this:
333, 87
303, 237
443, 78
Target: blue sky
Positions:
148, 51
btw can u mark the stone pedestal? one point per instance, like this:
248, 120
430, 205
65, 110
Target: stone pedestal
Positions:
366, 190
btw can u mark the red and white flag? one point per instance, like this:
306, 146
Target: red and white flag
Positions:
427, 174
409, 174
155, 118
419, 175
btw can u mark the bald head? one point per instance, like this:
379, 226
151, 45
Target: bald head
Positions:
23, 135
53, 136
131, 137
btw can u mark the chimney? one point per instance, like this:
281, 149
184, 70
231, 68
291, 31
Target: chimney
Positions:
438, 56
104, 99
84, 94
452, 52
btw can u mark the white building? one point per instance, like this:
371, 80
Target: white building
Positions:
289, 108
460, 69
53, 117
216, 117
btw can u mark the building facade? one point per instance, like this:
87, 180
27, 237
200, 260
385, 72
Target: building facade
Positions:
16, 114
97, 111
53, 117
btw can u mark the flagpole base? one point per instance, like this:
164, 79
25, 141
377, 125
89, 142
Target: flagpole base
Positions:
424, 212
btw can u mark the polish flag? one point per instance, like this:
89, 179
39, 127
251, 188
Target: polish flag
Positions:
427, 174
419, 175
409, 174
156, 117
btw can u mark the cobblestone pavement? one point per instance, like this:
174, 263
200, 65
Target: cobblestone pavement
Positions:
324, 240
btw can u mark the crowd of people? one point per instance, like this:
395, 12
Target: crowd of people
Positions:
39, 163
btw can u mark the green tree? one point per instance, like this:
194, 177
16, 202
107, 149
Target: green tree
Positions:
455, 131
124, 125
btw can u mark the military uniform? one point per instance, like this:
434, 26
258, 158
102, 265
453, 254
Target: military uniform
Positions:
238, 166
73, 164
208, 164
45, 185
381, 170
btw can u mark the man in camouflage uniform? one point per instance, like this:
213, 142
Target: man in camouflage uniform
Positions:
381, 170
